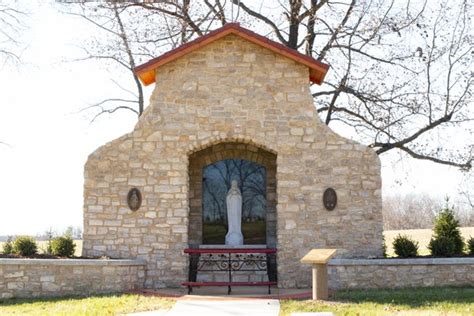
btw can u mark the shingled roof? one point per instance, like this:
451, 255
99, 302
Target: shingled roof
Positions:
317, 69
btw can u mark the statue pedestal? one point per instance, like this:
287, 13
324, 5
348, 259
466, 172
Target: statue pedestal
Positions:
234, 238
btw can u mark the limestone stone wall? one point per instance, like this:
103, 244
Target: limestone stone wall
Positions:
345, 274
231, 91
60, 277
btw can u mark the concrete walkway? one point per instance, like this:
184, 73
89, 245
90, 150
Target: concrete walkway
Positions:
238, 307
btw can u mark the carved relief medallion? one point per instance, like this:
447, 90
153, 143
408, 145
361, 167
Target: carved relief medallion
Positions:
330, 199
134, 199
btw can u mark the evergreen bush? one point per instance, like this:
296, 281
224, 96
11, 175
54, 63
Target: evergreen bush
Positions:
447, 240
470, 246
405, 247
25, 246
8, 246
63, 246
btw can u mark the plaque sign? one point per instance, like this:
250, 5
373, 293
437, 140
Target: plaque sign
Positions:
330, 199
134, 199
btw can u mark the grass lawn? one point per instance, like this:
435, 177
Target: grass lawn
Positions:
94, 305
428, 301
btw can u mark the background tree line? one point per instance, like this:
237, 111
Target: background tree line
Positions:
415, 211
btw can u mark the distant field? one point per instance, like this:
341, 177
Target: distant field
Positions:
42, 245
423, 237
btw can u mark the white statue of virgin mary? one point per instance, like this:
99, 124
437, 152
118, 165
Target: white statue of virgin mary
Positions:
234, 236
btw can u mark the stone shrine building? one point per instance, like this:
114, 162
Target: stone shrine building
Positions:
231, 105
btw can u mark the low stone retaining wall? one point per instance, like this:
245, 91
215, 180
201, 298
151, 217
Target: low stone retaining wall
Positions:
396, 273
59, 277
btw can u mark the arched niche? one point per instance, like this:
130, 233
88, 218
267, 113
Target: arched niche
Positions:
221, 158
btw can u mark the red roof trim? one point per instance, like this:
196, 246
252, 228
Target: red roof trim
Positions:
146, 71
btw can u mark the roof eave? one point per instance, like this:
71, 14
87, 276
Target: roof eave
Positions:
146, 71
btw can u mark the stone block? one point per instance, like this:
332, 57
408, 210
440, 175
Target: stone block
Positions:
96, 222
47, 278
137, 181
6, 295
16, 274
15, 285
151, 214
50, 287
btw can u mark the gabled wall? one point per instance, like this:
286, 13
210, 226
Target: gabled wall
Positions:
231, 91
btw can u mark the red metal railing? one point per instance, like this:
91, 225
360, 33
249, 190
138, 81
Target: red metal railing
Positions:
231, 260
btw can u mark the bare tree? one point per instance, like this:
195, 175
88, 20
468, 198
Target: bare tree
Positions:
410, 211
11, 25
131, 34
468, 195
400, 75
116, 45
465, 201
415, 211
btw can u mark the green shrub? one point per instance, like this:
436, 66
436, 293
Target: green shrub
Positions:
8, 246
447, 240
470, 246
442, 247
63, 246
405, 247
25, 246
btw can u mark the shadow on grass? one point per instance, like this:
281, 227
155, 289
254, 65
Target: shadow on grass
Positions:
413, 297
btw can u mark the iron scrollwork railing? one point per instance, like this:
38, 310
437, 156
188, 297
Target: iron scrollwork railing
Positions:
232, 260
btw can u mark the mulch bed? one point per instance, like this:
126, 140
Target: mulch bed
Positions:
464, 255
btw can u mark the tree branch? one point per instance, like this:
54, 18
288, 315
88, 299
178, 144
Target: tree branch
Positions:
264, 19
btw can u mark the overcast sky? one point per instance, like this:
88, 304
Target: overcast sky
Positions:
41, 171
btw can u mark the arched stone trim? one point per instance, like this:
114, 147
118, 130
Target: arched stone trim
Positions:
214, 140
218, 151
